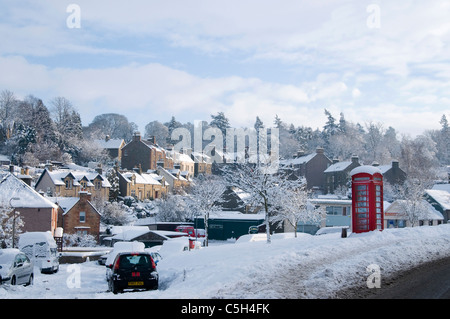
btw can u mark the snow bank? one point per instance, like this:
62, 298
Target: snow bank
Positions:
303, 267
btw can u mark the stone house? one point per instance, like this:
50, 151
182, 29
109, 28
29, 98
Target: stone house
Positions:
392, 174
338, 174
112, 146
174, 178
142, 185
310, 166
36, 211
145, 153
202, 164
77, 215
68, 183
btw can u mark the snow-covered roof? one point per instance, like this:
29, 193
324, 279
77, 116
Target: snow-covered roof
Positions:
337, 167
179, 157
442, 187
12, 187
131, 233
398, 208
365, 169
298, 160
201, 157
440, 196
144, 178
110, 144
235, 215
66, 203
89, 175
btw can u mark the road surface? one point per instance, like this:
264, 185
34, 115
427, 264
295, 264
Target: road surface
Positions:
428, 281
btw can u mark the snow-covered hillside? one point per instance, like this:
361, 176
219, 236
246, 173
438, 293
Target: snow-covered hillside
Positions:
303, 267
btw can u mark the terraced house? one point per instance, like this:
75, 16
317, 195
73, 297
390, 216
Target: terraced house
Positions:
144, 153
69, 183
142, 185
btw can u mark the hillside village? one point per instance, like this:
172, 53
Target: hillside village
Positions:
87, 186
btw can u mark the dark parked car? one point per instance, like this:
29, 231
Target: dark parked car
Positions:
15, 267
132, 271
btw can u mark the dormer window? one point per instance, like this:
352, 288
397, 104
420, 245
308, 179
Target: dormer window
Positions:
69, 183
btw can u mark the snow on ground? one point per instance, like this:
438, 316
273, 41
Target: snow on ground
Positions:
303, 267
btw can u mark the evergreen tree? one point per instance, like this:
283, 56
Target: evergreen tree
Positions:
220, 121
172, 124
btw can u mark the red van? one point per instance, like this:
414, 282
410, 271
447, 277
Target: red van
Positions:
190, 231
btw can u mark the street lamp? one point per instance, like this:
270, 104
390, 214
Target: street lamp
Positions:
14, 220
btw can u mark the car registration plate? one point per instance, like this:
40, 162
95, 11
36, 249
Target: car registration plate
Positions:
135, 283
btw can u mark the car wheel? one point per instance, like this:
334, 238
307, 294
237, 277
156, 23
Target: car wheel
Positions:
113, 287
30, 281
13, 280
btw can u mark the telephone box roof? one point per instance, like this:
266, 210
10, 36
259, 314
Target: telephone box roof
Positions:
365, 169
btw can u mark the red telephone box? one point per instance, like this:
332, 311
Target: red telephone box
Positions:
367, 199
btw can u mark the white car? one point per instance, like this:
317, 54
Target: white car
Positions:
15, 267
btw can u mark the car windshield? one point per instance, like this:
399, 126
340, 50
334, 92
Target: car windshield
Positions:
6, 259
135, 261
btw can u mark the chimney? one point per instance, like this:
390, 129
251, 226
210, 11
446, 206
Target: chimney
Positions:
299, 153
99, 169
136, 137
355, 159
49, 166
107, 138
11, 168
335, 160
375, 163
395, 165
152, 139
319, 150
85, 196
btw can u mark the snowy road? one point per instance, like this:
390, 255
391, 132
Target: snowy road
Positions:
428, 281
303, 267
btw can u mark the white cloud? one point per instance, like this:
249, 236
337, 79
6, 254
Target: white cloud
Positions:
398, 67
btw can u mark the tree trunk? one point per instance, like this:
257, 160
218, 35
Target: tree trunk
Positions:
266, 207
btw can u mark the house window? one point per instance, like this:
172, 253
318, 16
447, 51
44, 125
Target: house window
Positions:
98, 185
69, 183
82, 232
83, 185
82, 217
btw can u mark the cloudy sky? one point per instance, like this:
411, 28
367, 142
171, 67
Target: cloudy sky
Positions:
379, 61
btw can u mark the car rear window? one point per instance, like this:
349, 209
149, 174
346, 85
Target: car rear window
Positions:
133, 261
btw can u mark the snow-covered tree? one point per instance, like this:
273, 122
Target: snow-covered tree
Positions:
265, 188
410, 196
205, 197
294, 206
159, 131
113, 213
113, 179
171, 209
10, 223
78, 240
